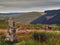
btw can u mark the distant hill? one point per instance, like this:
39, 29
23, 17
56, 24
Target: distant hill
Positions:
4, 16
28, 17
51, 17
22, 17
12, 13
47, 17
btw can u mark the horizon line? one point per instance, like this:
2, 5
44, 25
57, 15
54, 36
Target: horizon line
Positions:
25, 11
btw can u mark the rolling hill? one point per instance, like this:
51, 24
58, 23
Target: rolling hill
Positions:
22, 17
47, 17
51, 17
28, 17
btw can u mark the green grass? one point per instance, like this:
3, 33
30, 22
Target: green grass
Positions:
55, 27
51, 38
3, 24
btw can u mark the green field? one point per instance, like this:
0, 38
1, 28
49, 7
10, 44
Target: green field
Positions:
30, 38
4, 25
37, 38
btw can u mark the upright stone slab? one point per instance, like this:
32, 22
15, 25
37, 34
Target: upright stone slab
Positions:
11, 32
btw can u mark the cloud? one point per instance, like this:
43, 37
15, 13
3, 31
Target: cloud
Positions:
28, 5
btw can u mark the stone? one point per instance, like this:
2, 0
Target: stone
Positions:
11, 32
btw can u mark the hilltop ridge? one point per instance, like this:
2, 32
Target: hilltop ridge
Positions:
50, 17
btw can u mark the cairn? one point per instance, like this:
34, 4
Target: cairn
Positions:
11, 32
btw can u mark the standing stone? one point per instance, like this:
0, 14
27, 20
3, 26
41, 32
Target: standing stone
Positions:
11, 33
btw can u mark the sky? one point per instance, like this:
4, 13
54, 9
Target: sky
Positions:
28, 5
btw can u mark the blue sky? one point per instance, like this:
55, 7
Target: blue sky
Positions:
28, 5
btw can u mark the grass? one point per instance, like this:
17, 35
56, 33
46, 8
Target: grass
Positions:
47, 38
30, 38
3, 24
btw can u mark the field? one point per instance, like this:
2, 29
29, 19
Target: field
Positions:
31, 34
33, 37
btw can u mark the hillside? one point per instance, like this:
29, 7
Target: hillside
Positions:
4, 16
22, 17
47, 17
51, 17
28, 17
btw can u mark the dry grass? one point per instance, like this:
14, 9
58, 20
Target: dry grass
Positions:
23, 36
27, 31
